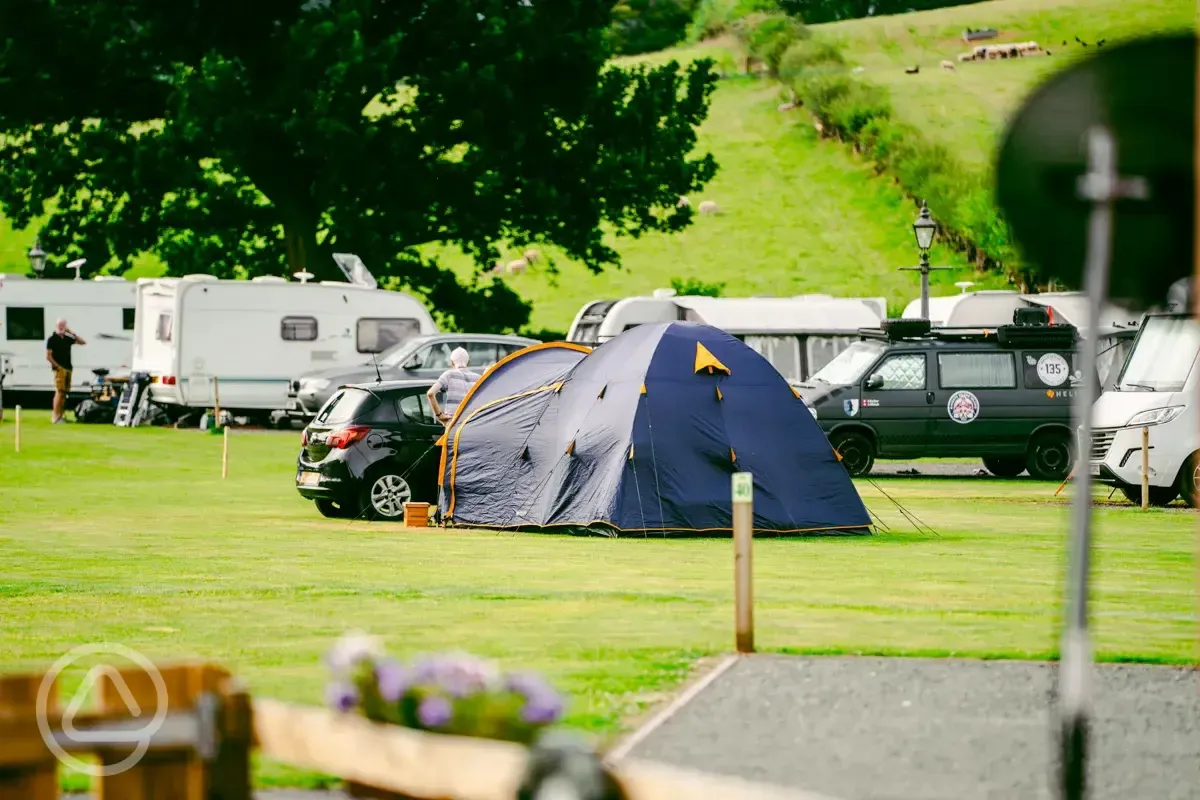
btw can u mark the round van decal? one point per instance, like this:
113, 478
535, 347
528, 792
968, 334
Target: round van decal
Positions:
1052, 369
963, 407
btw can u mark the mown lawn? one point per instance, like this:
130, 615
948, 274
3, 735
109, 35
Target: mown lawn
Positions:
131, 536
967, 109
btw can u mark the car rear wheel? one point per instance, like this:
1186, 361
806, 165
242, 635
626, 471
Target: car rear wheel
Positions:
386, 495
1159, 495
1189, 479
857, 452
1005, 467
1050, 457
334, 510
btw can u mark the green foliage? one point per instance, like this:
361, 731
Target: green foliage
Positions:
716, 17
643, 26
262, 147
767, 37
696, 287
545, 335
819, 11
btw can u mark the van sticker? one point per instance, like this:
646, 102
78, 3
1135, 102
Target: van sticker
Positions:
963, 407
870, 402
850, 407
1052, 369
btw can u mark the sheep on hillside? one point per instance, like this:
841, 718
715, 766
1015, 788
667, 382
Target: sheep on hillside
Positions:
532, 255
709, 207
683, 203
948, 65
516, 267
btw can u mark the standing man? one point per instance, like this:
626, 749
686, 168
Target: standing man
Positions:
58, 353
454, 382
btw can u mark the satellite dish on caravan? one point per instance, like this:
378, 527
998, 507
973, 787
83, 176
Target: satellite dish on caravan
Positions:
355, 270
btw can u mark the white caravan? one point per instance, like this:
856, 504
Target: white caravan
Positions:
1157, 390
100, 310
798, 335
254, 335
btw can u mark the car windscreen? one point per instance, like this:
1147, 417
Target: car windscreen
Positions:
849, 365
345, 406
1162, 356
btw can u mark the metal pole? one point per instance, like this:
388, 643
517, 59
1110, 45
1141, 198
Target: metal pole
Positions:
1099, 185
743, 539
924, 284
1145, 468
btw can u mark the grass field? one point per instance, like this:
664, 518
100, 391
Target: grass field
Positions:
967, 109
131, 536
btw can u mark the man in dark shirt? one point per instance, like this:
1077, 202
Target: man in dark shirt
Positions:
58, 353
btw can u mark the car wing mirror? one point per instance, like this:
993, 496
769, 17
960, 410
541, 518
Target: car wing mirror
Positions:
875, 381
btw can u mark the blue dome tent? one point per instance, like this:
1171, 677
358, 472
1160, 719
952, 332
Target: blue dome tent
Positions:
641, 435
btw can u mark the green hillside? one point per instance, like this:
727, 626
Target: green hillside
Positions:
966, 109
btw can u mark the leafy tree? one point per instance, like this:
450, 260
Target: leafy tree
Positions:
259, 137
642, 26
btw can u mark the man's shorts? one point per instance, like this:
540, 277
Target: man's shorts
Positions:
62, 380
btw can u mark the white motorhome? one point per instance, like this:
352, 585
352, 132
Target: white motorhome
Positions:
100, 310
1156, 389
254, 335
798, 335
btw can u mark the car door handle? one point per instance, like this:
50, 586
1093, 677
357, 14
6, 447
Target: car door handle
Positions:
929, 398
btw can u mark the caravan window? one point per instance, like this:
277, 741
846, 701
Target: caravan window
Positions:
782, 351
374, 335
823, 349
298, 329
25, 324
128, 318
162, 331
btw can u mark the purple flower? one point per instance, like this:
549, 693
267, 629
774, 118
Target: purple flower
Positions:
542, 708
350, 650
341, 696
392, 680
527, 684
434, 711
458, 675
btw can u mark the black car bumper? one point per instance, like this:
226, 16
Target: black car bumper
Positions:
328, 481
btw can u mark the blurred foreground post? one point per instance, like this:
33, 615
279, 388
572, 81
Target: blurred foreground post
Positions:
17, 429
225, 454
1145, 468
216, 403
743, 541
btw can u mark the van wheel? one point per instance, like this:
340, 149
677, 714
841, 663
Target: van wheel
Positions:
1159, 495
1005, 467
385, 495
1189, 478
1050, 457
332, 510
857, 452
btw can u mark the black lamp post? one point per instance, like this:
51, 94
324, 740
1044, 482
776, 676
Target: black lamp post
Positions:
37, 259
924, 227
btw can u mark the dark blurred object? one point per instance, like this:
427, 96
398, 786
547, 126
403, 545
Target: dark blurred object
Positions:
1179, 298
1144, 91
1037, 315
564, 768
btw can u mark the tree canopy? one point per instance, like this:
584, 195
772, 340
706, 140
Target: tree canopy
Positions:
259, 137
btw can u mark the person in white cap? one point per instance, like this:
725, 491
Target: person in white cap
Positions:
455, 382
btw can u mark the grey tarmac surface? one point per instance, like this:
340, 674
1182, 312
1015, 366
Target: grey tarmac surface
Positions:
922, 729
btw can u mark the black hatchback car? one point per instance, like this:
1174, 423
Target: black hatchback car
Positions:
371, 449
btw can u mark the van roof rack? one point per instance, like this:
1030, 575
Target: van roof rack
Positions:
1012, 335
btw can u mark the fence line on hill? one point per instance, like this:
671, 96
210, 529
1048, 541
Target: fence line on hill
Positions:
204, 727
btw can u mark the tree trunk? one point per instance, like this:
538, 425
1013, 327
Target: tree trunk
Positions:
303, 252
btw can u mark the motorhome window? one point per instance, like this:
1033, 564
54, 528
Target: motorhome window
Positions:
298, 329
850, 364
344, 407
25, 324
128, 318
782, 351
1162, 356
415, 408
374, 335
977, 371
903, 372
162, 330
823, 349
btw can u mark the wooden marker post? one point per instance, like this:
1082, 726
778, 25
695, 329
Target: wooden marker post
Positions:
225, 454
216, 403
1145, 468
743, 539
17, 429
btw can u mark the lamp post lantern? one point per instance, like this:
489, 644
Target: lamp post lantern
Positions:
924, 227
37, 258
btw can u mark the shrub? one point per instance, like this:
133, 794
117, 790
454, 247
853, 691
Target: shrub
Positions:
716, 17
696, 287
767, 37
643, 26
809, 55
857, 107
544, 335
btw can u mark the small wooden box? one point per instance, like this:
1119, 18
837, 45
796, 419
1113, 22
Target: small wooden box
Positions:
416, 515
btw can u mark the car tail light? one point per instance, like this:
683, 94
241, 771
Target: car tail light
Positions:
304, 437
168, 380
340, 440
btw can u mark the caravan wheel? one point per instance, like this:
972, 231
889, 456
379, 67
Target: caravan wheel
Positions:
386, 496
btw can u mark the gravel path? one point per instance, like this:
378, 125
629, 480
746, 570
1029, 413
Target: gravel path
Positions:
917, 729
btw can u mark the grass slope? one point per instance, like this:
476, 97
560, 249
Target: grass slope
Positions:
130, 536
968, 108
